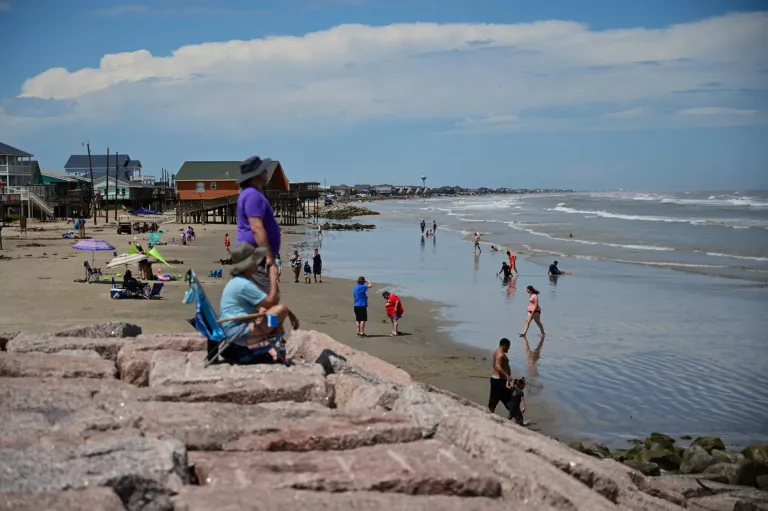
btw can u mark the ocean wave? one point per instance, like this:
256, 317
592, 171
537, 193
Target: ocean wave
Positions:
747, 258
719, 201
587, 242
744, 224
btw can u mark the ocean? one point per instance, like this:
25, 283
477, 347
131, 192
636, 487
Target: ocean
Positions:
662, 326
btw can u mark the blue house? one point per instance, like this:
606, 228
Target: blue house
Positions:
129, 169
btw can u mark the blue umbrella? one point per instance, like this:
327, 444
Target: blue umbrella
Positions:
93, 245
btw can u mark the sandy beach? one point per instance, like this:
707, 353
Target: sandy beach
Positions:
39, 294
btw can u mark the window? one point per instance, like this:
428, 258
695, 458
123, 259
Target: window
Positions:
122, 192
213, 185
200, 187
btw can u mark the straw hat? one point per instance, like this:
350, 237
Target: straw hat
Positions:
245, 256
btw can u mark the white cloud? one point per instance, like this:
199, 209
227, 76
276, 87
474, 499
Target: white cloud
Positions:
630, 113
353, 73
718, 110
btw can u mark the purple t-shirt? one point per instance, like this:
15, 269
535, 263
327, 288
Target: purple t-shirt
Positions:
253, 203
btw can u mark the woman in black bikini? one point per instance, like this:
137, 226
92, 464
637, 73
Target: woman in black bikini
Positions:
534, 311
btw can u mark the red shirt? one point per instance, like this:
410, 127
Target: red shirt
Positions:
226, 241
394, 305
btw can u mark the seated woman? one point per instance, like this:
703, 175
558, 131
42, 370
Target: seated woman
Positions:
131, 284
255, 338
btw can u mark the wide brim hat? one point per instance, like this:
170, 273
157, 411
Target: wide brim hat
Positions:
252, 167
245, 256
361, 280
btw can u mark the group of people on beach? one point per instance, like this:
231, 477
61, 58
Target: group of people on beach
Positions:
423, 226
297, 265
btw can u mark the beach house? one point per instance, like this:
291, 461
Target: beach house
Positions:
207, 192
385, 190
15, 167
78, 165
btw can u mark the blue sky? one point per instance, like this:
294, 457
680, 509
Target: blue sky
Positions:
581, 94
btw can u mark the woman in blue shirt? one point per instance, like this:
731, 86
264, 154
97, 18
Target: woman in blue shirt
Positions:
360, 294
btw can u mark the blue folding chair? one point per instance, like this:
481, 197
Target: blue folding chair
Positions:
207, 322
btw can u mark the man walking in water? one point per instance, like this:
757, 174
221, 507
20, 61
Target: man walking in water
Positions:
477, 243
434, 227
423, 226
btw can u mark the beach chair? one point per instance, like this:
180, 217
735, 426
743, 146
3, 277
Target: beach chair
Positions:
91, 274
150, 294
206, 321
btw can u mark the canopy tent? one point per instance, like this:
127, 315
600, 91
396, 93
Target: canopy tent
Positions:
142, 211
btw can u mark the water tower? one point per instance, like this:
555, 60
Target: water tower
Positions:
424, 181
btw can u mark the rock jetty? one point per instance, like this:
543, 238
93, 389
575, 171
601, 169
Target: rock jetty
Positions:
345, 212
107, 418
328, 226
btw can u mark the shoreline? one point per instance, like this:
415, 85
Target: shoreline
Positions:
430, 355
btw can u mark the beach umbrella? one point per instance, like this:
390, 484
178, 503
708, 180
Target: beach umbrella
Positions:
126, 259
154, 237
156, 254
93, 245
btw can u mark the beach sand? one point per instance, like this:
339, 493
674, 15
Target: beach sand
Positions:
38, 293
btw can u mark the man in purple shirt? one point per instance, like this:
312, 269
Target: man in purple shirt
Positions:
256, 224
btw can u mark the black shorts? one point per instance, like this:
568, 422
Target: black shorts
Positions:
317, 270
361, 313
499, 392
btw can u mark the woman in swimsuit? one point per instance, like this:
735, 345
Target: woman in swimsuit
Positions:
534, 311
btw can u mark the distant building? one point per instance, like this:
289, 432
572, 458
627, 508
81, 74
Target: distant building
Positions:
129, 169
383, 189
205, 180
362, 189
16, 167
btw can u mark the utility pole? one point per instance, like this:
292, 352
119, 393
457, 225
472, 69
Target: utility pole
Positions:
106, 187
93, 190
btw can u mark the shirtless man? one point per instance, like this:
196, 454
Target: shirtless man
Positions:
501, 379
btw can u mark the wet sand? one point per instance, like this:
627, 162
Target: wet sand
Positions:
38, 293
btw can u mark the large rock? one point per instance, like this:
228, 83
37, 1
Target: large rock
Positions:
95, 499
723, 472
284, 426
420, 468
666, 460
106, 347
310, 345
355, 393
134, 359
698, 492
103, 330
5, 337
659, 441
50, 410
263, 388
727, 457
644, 467
144, 472
179, 368
749, 471
757, 452
17, 365
742, 500
194, 498
708, 443
695, 460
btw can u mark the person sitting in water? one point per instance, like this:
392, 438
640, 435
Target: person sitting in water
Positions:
554, 270
242, 297
494, 249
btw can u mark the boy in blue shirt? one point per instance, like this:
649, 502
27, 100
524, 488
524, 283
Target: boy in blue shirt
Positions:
360, 295
257, 338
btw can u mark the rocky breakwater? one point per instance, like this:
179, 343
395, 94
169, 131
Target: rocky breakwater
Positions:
345, 212
106, 418
357, 226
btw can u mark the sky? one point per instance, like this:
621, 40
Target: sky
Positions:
601, 94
